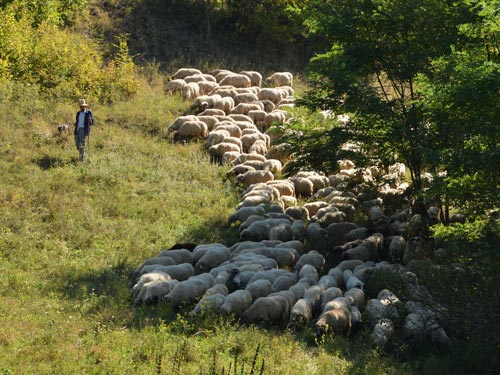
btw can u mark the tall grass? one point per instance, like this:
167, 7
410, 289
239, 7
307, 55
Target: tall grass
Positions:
71, 234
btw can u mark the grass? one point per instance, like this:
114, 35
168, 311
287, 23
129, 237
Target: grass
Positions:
72, 233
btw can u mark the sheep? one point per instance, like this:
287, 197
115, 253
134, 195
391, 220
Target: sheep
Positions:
233, 129
236, 80
217, 113
245, 98
209, 303
376, 310
252, 177
220, 74
258, 116
241, 118
330, 294
303, 186
356, 297
249, 139
186, 292
276, 116
255, 77
228, 157
271, 309
190, 90
259, 288
301, 312
159, 260
280, 79
382, 332
216, 136
282, 232
313, 294
237, 302
244, 108
298, 230
284, 282
184, 72
313, 258
339, 302
359, 252
154, 291
258, 147
336, 321
179, 271
179, 255
217, 289
316, 235
327, 281
271, 94
413, 250
148, 277
234, 140
296, 212
207, 87
179, 121
218, 150
213, 257
225, 104
352, 281
246, 157
211, 121
254, 200
193, 130
175, 86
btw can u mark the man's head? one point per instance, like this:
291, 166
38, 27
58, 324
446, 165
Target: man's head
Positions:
82, 103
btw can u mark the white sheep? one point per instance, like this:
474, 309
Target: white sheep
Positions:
271, 309
175, 86
330, 294
244, 108
313, 258
280, 79
179, 271
357, 297
259, 288
190, 90
193, 130
271, 94
336, 321
148, 277
225, 104
178, 255
155, 291
382, 332
184, 72
245, 98
258, 147
233, 129
255, 77
236, 80
301, 312
237, 302
207, 87
212, 257
188, 291
218, 150
209, 303
179, 121
253, 177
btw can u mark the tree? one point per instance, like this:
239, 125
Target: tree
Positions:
461, 100
379, 48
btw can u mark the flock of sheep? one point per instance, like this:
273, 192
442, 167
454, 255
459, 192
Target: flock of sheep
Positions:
296, 264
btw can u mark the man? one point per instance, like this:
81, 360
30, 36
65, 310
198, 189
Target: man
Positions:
84, 121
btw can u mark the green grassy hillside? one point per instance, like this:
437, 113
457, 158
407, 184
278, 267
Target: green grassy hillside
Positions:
71, 234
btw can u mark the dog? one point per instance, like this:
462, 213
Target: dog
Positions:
63, 128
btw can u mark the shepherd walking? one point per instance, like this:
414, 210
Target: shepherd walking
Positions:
84, 121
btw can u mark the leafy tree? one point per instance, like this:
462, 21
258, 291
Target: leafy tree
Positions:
461, 99
379, 48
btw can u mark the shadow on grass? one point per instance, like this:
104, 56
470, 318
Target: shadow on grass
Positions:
47, 162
